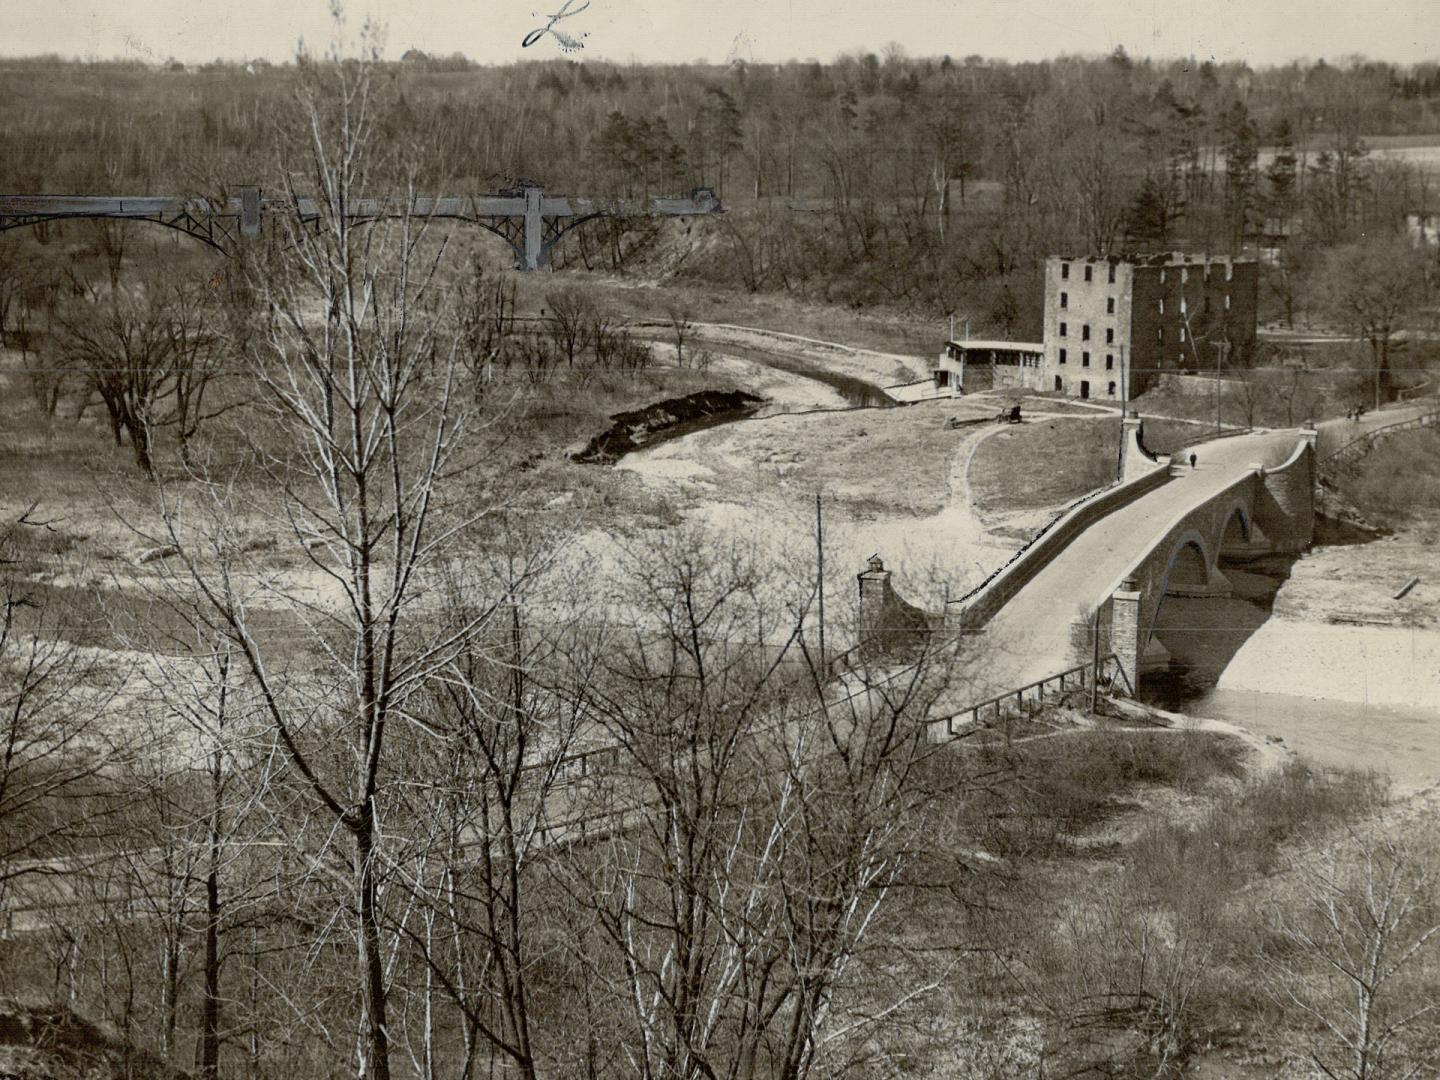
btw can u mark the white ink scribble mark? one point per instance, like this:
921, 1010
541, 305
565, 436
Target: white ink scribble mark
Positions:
568, 42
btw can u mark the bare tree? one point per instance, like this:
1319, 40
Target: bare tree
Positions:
53, 751
125, 347
757, 828
510, 705
14, 272
1348, 950
197, 359
487, 318
359, 374
681, 327
1371, 287
206, 871
571, 317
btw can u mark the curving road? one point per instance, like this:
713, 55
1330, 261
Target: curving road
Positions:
1336, 433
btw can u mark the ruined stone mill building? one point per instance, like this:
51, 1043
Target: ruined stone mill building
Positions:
1114, 325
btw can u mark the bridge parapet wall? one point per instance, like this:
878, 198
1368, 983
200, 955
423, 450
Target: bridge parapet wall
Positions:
1285, 501
890, 626
973, 611
1135, 460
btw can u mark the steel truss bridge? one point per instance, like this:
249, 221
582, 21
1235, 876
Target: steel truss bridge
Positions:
527, 219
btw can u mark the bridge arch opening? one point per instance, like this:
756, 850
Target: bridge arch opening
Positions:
1237, 530
1188, 568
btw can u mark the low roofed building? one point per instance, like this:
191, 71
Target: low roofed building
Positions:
983, 365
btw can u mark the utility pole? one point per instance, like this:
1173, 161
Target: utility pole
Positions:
1095, 661
820, 572
1219, 363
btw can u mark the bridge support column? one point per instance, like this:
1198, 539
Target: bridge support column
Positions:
1125, 629
249, 211
534, 228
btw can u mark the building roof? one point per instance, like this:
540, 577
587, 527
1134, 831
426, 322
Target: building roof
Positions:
1162, 258
997, 346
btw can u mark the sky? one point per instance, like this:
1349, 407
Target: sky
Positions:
1260, 32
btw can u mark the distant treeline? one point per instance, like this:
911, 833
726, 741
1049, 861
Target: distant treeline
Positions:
912, 182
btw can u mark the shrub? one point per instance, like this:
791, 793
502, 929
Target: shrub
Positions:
1398, 479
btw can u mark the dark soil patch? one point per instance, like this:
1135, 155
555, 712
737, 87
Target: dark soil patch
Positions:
664, 420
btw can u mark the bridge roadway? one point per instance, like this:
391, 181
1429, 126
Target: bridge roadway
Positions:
1031, 637
1338, 433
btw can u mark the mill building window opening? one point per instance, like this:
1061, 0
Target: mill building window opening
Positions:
1109, 305
1087, 273
1062, 330
1062, 356
1112, 275
1065, 270
1085, 359
1111, 391
1109, 361
1162, 305
1109, 335
1085, 332
1064, 300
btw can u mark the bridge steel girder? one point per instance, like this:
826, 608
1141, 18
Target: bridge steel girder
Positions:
530, 221
216, 225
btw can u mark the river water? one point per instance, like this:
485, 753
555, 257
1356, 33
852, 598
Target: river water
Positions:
1338, 724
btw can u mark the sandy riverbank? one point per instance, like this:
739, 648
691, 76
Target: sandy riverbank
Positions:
1396, 666
1344, 673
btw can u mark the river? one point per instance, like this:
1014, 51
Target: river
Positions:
1352, 696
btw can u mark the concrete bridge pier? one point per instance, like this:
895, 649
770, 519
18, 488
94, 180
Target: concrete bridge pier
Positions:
249, 211
534, 228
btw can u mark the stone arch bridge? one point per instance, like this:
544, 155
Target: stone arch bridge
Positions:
1109, 561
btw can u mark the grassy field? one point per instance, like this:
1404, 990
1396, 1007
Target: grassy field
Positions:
1044, 463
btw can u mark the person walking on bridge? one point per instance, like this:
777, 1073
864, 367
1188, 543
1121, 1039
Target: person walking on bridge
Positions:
1192, 459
